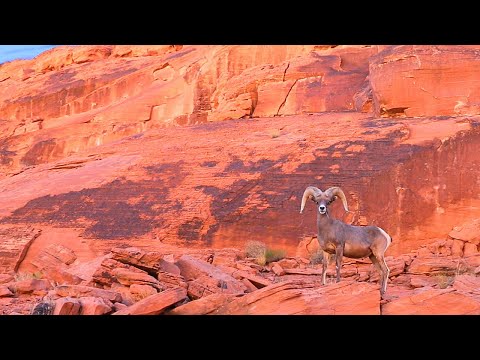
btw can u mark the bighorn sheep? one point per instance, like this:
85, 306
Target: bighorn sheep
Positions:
336, 237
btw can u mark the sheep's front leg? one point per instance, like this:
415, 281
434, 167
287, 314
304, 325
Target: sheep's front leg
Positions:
339, 255
325, 261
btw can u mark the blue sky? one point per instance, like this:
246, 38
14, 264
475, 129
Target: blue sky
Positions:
13, 52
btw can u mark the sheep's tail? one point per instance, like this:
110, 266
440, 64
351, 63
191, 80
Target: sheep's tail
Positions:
388, 237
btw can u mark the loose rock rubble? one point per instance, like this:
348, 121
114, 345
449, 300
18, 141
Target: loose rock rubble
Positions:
435, 279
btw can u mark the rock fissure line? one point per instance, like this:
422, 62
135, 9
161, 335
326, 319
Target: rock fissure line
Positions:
286, 97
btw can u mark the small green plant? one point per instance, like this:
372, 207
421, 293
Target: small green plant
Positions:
256, 250
28, 276
275, 133
444, 280
274, 255
261, 254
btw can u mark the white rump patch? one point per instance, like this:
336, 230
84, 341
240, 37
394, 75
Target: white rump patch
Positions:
389, 239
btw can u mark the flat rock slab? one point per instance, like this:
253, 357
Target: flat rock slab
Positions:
78, 291
192, 268
67, 306
428, 301
91, 305
155, 304
14, 243
299, 297
203, 306
5, 291
148, 261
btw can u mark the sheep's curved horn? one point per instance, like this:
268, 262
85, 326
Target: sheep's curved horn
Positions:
336, 191
309, 191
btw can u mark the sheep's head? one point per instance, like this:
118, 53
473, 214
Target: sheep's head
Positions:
323, 199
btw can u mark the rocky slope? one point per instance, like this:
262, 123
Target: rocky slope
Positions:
212, 146
438, 279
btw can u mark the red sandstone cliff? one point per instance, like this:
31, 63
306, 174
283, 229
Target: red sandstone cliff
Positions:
103, 146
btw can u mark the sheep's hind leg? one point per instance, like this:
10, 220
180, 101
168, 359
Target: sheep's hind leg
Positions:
384, 271
325, 261
378, 267
339, 255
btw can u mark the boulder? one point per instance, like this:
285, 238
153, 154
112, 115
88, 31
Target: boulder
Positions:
43, 308
277, 269
91, 305
226, 257
467, 284
155, 304
205, 305
418, 281
105, 274
457, 248
299, 297
204, 286
148, 261
470, 249
67, 306
249, 285
170, 280
78, 291
140, 292
468, 232
192, 268
435, 265
5, 291
128, 277
30, 286
428, 301
288, 263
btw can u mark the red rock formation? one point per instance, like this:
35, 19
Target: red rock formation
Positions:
428, 80
155, 304
295, 298
207, 279
31, 286
5, 291
427, 301
127, 277
5, 278
78, 291
90, 305
149, 261
14, 243
140, 292
204, 306
171, 280
176, 218
418, 284
105, 274
94, 153
67, 306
